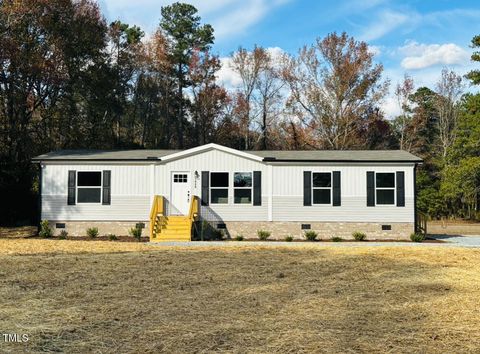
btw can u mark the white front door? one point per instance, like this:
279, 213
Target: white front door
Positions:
180, 193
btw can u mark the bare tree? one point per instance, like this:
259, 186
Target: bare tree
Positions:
269, 97
449, 90
248, 65
334, 84
403, 92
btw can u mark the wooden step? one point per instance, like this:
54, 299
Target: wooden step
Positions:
160, 238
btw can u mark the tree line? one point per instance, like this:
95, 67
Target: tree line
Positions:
70, 80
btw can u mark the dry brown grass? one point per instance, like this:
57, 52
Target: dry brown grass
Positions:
74, 296
453, 227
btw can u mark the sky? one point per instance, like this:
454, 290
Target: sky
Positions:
417, 38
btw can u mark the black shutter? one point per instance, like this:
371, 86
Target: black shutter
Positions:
370, 188
106, 188
336, 189
72, 176
307, 188
257, 187
205, 186
400, 188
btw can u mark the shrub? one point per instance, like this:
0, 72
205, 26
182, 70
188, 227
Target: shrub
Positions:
239, 238
45, 230
359, 236
289, 238
311, 235
112, 237
263, 234
92, 232
63, 235
136, 232
416, 237
337, 239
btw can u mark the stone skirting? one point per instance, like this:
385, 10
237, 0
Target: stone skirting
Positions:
279, 229
79, 228
326, 230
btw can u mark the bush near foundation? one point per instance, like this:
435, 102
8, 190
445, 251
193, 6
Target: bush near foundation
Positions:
45, 230
136, 232
92, 232
311, 235
359, 236
263, 234
416, 237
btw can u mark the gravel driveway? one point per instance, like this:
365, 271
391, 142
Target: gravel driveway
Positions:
458, 241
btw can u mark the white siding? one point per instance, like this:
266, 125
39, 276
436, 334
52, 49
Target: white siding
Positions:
216, 161
133, 186
288, 196
130, 194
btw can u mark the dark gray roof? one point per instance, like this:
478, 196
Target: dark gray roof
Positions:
268, 155
338, 155
104, 155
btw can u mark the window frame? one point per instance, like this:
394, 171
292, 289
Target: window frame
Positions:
251, 188
394, 188
330, 188
227, 188
77, 187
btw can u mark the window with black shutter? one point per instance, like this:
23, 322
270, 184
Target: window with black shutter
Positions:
89, 187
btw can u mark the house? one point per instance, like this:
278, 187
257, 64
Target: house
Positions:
284, 192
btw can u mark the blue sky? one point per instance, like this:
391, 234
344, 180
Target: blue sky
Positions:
414, 37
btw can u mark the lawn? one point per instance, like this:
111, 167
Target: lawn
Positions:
79, 296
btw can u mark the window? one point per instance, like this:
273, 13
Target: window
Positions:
322, 187
385, 188
89, 187
242, 187
219, 187
180, 178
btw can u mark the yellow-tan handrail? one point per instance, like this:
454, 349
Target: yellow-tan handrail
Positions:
157, 208
193, 212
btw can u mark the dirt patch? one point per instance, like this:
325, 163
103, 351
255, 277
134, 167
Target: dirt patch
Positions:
18, 232
115, 297
453, 227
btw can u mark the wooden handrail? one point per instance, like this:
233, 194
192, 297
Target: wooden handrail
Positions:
157, 208
193, 211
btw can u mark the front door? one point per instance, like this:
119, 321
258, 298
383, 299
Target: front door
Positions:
180, 193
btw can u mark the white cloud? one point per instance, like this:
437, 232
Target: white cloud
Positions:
419, 56
374, 49
228, 17
227, 77
386, 22
390, 107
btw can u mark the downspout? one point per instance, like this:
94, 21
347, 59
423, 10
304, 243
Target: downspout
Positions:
415, 212
39, 201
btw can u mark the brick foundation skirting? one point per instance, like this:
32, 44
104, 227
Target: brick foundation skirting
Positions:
79, 228
326, 230
279, 229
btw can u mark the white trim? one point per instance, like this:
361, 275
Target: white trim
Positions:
77, 187
394, 188
207, 147
329, 188
152, 183
270, 192
251, 188
189, 183
228, 188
